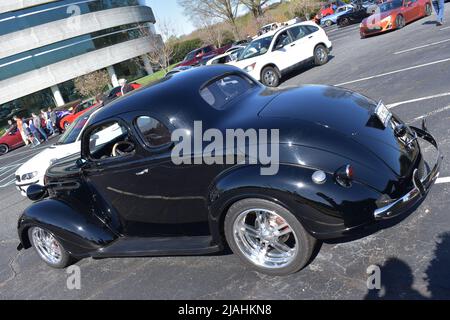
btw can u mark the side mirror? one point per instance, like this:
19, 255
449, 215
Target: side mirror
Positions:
81, 163
36, 192
279, 46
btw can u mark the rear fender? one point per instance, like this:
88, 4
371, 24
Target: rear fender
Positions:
320, 208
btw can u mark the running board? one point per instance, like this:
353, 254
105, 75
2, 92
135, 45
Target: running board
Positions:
157, 246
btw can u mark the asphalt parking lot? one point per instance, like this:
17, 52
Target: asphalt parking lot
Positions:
409, 70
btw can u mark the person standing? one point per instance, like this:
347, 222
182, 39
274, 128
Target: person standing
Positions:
37, 126
34, 139
48, 121
19, 123
439, 8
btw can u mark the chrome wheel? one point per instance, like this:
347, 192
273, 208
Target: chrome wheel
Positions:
265, 238
321, 55
48, 248
270, 78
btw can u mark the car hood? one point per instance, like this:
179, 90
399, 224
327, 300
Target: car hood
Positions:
339, 121
374, 19
44, 159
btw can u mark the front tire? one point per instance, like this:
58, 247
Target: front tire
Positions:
400, 22
328, 23
320, 55
270, 77
4, 149
428, 10
49, 248
267, 237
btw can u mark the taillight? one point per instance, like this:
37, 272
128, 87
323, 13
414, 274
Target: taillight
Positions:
344, 176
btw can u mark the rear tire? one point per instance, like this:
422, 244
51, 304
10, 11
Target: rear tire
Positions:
328, 23
344, 22
428, 10
49, 248
4, 149
400, 22
252, 230
270, 77
320, 55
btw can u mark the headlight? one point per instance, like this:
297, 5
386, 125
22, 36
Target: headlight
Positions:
29, 176
250, 68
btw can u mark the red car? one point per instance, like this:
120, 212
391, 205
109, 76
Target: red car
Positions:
83, 107
10, 140
202, 55
393, 15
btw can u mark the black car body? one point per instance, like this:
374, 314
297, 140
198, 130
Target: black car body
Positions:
356, 16
142, 204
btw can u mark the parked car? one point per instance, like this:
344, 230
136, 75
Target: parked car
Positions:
202, 55
270, 56
268, 27
345, 163
356, 15
394, 15
231, 55
10, 140
33, 171
116, 92
79, 110
332, 18
177, 70
327, 9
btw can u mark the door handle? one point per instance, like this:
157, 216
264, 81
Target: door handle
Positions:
141, 173
310, 37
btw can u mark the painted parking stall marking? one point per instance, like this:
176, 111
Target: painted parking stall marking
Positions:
423, 46
394, 72
7, 174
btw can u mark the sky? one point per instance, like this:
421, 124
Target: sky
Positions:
170, 10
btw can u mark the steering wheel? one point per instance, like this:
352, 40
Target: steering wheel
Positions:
122, 148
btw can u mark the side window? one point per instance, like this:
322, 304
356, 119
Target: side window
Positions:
155, 133
311, 29
298, 32
110, 140
282, 39
207, 49
218, 93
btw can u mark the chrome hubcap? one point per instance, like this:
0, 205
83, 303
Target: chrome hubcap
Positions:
46, 245
321, 54
265, 238
269, 77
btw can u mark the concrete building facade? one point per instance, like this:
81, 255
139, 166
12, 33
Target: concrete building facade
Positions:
46, 44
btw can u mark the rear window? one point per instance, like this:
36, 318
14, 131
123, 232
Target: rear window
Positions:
220, 92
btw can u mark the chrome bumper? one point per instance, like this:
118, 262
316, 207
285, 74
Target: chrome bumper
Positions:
421, 186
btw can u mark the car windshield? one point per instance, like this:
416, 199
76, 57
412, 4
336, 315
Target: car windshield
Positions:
191, 55
72, 133
256, 48
387, 6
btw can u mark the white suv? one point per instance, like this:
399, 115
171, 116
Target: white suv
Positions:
269, 56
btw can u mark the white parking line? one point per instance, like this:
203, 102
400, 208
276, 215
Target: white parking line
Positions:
421, 47
444, 28
443, 180
394, 72
393, 105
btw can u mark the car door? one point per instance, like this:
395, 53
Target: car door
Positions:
283, 51
409, 10
305, 40
148, 195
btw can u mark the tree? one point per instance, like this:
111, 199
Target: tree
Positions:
92, 84
255, 7
162, 45
224, 10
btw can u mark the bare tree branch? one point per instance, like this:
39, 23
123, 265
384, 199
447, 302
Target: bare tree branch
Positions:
255, 7
224, 10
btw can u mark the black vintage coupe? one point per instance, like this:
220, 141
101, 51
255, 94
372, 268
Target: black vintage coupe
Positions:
345, 164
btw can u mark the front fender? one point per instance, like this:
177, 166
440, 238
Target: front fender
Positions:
324, 210
79, 232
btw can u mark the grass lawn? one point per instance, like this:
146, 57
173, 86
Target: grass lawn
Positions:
2, 131
153, 77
